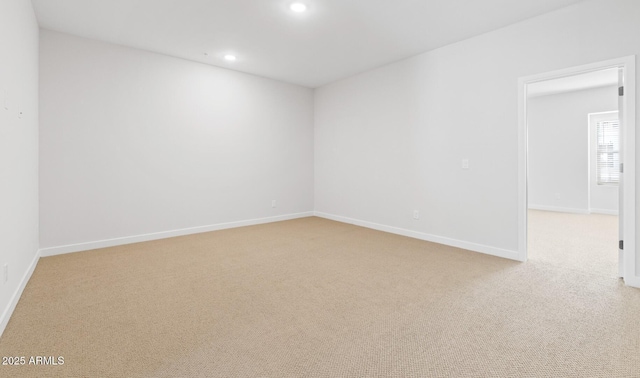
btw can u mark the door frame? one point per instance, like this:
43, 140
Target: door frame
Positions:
628, 65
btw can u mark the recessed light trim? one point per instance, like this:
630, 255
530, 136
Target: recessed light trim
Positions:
298, 7
230, 58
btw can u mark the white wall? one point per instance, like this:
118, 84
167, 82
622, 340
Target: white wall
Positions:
133, 142
18, 149
391, 140
558, 131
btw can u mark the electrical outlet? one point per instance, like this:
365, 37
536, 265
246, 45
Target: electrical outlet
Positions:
557, 196
465, 163
4, 100
273, 203
5, 274
20, 114
416, 214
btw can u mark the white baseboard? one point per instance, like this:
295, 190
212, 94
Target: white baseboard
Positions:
572, 210
558, 209
499, 252
633, 281
51, 251
603, 211
8, 311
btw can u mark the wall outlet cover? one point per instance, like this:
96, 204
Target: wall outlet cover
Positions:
4, 100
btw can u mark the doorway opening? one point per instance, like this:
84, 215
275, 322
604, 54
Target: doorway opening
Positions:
577, 168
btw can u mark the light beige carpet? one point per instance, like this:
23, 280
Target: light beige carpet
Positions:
316, 298
584, 242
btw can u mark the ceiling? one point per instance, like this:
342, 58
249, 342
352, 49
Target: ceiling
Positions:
594, 79
334, 39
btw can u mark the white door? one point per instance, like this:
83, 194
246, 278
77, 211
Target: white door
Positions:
621, 181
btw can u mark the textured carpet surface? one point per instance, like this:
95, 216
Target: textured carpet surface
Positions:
316, 298
583, 242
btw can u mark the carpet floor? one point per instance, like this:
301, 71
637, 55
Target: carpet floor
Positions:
316, 298
583, 242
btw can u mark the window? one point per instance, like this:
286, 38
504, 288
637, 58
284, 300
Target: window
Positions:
608, 156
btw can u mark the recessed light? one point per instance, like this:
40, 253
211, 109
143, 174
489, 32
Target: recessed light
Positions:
230, 58
298, 7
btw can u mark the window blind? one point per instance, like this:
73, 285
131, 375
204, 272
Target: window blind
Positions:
608, 156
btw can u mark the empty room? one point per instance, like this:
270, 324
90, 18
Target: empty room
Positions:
318, 188
573, 172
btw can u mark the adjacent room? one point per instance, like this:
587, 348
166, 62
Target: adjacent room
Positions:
306, 188
573, 172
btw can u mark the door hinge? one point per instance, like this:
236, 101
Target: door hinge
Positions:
621, 167
621, 244
620, 91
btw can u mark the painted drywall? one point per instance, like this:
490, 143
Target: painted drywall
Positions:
135, 143
392, 140
559, 153
18, 149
